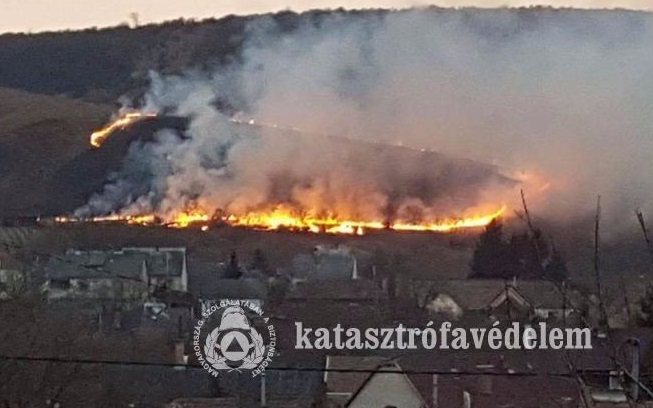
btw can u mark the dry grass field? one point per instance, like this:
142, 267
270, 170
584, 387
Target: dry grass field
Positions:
38, 135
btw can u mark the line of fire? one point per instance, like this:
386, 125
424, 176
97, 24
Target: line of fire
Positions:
281, 216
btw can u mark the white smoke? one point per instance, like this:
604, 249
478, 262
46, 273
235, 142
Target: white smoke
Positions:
562, 96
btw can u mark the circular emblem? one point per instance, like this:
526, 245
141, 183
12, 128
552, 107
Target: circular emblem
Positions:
232, 340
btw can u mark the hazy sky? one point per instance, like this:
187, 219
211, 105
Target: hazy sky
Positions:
40, 15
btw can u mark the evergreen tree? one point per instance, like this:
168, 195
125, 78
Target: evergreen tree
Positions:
525, 256
233, 270
556, 269
492, 257
260, 262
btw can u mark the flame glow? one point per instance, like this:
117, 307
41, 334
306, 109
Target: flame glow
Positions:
283, 218
186, 218
123, 120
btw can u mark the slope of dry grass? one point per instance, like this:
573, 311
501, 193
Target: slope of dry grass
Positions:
38, 135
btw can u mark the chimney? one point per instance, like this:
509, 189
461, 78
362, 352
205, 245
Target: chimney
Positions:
434, 392
264, 402
355, 270
467, 400
180, 355
634, 369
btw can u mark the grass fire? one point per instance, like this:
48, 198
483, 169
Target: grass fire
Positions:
121, 120
284, 218
412, 207
346, 213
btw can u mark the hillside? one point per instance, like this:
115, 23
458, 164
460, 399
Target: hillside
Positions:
38, 135
47, 166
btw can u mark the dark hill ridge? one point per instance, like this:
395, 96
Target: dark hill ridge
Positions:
103, 64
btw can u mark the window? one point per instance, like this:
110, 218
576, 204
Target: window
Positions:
616, 379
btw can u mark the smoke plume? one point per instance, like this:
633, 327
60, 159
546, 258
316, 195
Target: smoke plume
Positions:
560, 100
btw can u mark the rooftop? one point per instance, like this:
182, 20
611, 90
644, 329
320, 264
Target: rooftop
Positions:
477, 294
128, 262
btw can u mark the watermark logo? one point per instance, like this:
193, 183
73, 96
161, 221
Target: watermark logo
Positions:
230, 337
445, 337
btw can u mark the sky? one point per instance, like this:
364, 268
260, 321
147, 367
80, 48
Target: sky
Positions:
44, 15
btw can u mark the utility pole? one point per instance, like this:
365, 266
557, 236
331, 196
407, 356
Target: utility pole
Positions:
597, 270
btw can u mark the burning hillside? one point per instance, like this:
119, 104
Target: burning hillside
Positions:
555, 93
281, 218
286, 218
330, 203
123, 119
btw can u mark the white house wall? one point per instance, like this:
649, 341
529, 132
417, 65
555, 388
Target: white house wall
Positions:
388, 390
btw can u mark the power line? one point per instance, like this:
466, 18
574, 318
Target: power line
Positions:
287, 368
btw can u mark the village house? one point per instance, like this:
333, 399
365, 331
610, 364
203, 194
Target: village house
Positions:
623, 380
496, 378
127, 274
165, 267
622, 300
275, 389
13, 277
337, 263
373, 382
212, 282
512, 300
332, 275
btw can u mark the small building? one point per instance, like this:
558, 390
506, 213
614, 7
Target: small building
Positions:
128, 274
611, 383
165, 267
484, 378
325, 264
506, 300
348, 291
13, 277
377, 382
438, 379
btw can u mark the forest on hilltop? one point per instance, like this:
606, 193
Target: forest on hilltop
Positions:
100, 65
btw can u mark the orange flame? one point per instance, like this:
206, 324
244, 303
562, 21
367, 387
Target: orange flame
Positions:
123, 120
282, 217
186, 218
